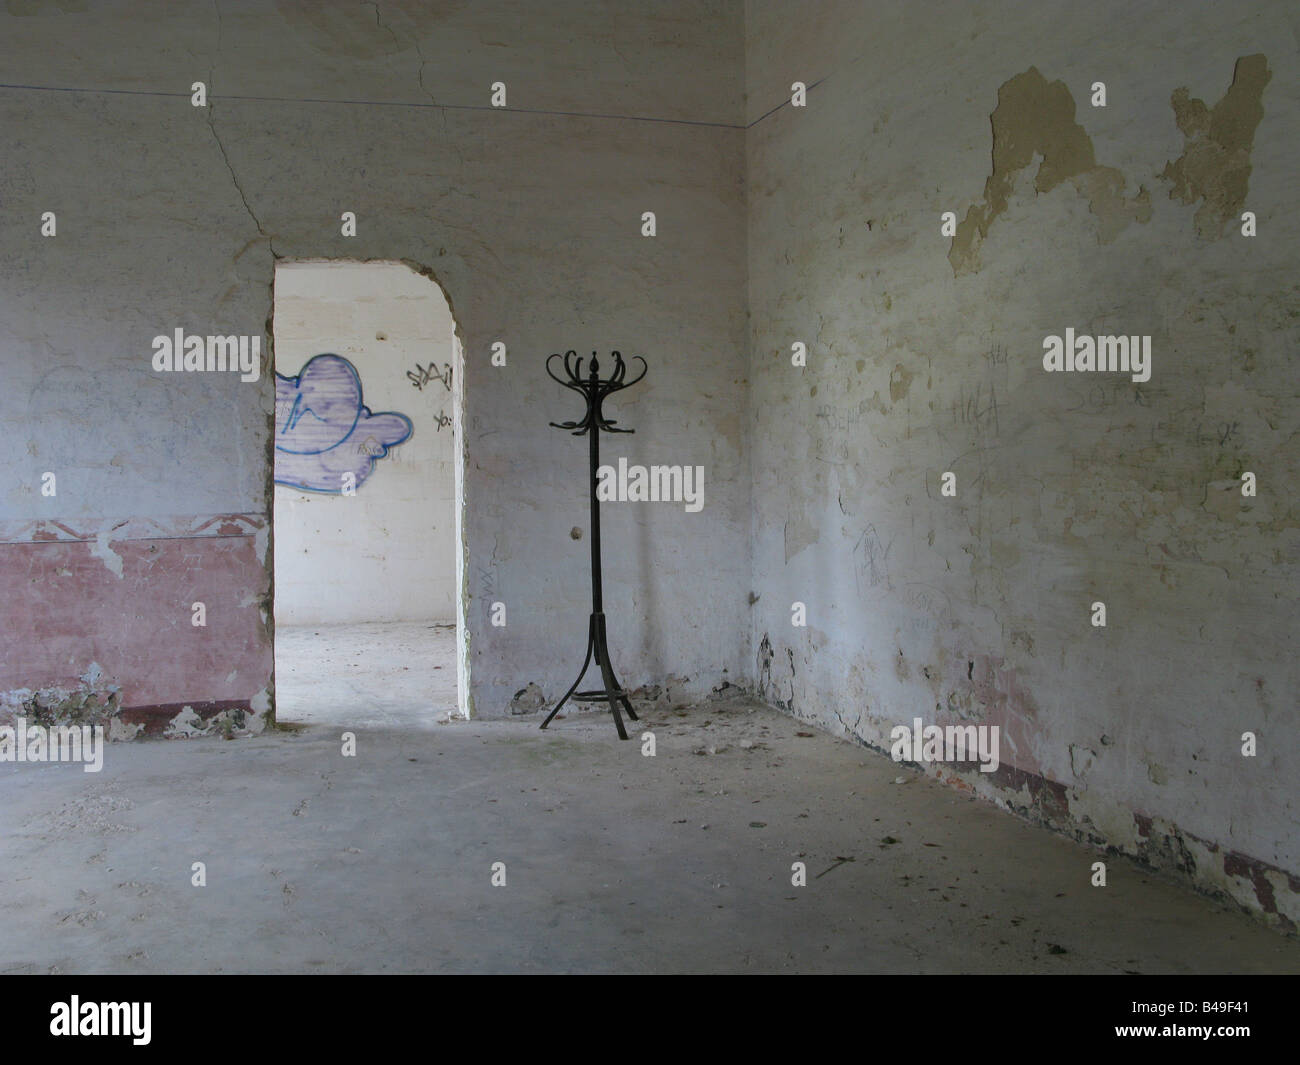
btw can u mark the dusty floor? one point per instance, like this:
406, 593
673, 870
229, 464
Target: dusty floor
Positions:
614, 861
394, 674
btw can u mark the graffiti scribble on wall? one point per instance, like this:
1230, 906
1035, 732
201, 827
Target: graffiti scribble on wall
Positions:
422, 375
323, 430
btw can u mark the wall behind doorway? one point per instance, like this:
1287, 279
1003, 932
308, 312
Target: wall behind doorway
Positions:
386, 553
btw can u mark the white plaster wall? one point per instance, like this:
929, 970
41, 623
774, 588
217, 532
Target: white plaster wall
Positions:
528, 217
387, 553
977, 608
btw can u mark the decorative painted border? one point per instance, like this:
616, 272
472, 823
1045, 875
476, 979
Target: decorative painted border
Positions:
177, 527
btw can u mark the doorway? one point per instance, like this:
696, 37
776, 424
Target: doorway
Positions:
367, 509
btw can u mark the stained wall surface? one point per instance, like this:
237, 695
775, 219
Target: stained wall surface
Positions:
925, 356
528, 216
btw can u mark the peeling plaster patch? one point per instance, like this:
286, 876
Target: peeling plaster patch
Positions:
984, 688
189, 724
1104, 188
262, 544
1035, 117
1028, 794
1092, 818
677, 689
1215, 164
90, 704
763, 666
1103, 822
13, 702
647, 693
110, 558
120, 731
900, 380
528, 700
1253, 884
1081, 759
260, 705
1284, 890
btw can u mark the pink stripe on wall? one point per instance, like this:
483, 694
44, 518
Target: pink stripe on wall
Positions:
63, 606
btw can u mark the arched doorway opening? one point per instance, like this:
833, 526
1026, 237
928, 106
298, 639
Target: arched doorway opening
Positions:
369, 627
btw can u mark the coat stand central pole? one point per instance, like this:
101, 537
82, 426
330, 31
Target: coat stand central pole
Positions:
594, 390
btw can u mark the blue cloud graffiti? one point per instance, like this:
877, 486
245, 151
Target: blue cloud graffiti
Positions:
323, 430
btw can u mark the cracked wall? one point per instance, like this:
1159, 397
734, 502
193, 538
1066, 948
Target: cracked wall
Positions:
528, 218
924, 357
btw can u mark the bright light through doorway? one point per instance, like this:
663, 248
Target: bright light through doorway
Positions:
366, 496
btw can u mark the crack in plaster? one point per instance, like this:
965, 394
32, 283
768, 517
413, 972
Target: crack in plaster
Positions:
419, 53
211, 109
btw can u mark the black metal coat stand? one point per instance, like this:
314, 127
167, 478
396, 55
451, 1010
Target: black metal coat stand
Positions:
594, 390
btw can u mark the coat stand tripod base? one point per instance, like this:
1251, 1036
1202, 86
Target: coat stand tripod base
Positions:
594, 389
612, 693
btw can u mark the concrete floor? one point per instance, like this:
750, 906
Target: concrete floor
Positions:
615, 862
376, 675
